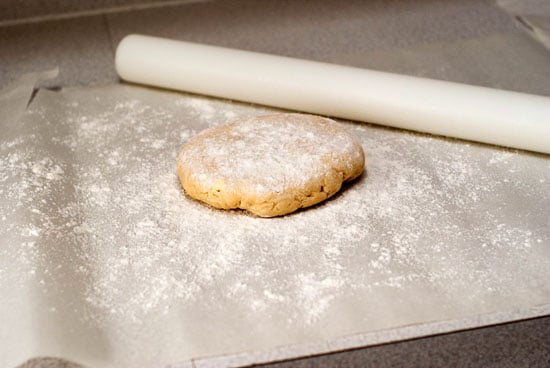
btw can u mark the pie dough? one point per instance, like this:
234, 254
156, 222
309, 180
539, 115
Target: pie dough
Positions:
269, 165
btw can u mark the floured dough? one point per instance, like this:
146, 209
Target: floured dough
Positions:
270, 165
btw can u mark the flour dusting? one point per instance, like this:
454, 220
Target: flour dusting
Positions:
270, 154
433, 216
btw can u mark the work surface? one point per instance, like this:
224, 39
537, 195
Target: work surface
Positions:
115, 266
119, 268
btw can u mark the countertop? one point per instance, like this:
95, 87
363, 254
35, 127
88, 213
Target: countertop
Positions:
425, 38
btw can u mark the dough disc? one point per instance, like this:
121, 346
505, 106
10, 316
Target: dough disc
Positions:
269, 165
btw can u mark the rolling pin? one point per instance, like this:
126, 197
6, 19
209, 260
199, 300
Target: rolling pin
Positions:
480, 114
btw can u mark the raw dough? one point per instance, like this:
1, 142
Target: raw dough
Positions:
270, 165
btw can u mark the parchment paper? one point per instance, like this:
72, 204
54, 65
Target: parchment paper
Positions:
105, 262
15, 97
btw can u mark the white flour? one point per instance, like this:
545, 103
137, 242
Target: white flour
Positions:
272, 155
429, 214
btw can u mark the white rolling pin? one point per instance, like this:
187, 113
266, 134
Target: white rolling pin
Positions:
474, 113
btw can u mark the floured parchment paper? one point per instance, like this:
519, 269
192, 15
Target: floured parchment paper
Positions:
106, 262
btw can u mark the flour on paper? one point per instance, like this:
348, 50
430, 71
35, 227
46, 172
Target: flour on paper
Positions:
429, 214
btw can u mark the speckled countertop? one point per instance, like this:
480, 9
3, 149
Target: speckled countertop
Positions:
426, 38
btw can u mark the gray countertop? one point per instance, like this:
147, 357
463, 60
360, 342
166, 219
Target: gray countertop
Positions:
434, 39
426, 38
